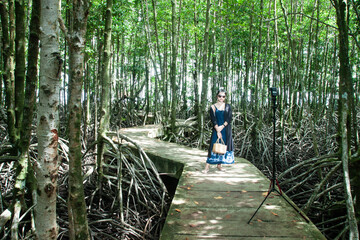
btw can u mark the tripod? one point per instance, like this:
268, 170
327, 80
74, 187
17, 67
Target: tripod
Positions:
272, 188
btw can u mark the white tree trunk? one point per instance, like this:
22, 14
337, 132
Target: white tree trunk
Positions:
46, 166
354, 232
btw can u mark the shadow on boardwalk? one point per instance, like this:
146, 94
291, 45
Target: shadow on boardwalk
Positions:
218, 205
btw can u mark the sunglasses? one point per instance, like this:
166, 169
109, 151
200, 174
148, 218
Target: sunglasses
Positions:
221, 96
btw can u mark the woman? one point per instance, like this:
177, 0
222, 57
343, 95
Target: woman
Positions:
221, 116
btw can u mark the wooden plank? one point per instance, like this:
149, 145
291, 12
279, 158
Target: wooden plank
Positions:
222, 228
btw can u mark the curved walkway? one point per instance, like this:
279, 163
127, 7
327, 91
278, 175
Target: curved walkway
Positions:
218, 205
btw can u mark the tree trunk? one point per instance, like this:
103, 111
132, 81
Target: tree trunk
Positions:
47, 164
205, 76
173, 66
259, 69
345, 100
105, 90
250, 81
78, 225
97, 90
196, 66
22, 164
150, 55
8, 49
87, 102
29, 104
65, 64
156, 33
2, 101
31, 76
248, 72
184, 57
164, 81
214, 79
122, 82
147, 88
19, 64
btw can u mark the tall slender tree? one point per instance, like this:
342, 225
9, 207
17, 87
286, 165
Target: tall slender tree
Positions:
158, 50
76, 205
20, 31
195, 68
28, 112
205, 75
105, 89
47, 164
345, 100
19, 105
184, 86
173, 82
8, 48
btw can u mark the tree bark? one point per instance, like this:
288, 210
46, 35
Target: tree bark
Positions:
345, 100
259, 68
196, 65
100, 48
19, 64
47, 164
174, 48
29, 103
8, 48
156, 33
78, 224
105, 90
31, 76
205, 76
165, 80
87, 100
147, 87
150, 55
184, 57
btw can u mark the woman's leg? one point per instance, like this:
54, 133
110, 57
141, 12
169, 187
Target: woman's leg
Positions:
207, 166
223, 133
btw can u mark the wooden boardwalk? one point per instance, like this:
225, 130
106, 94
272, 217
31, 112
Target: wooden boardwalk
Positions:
218, 205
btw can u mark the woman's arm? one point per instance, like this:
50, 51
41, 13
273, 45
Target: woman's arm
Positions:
228, 115
212, 116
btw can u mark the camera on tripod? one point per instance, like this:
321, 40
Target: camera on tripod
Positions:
273, 181
273, 91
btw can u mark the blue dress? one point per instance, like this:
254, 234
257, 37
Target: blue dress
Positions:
214, 158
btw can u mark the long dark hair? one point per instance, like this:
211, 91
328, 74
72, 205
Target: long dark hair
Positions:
221, 90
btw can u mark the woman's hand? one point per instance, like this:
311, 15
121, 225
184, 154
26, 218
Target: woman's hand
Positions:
219, 134
220, 128
217, 128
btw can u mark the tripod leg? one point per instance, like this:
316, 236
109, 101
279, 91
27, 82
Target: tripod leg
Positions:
277, 183
294, 207
268, 194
